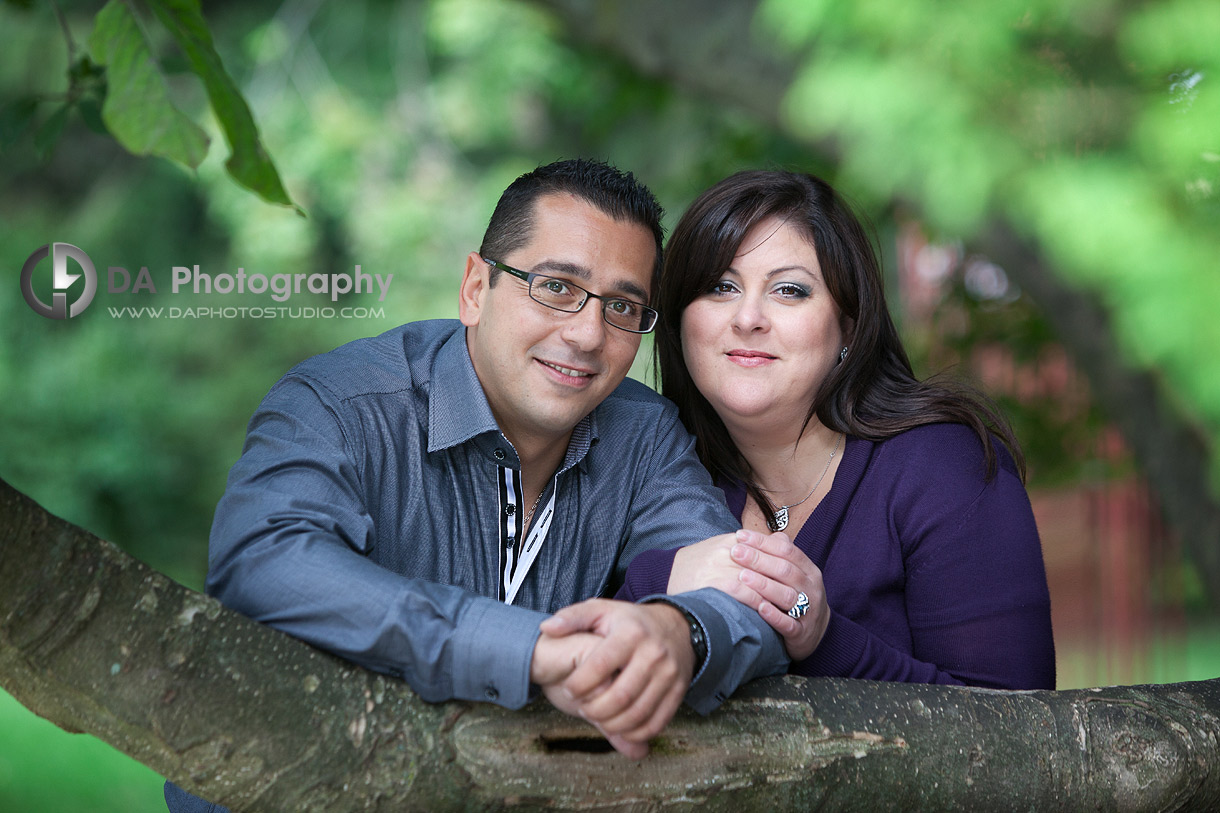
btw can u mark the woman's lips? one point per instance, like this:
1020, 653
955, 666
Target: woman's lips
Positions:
750, 358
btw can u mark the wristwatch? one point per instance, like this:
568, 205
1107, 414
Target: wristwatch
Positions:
698, 639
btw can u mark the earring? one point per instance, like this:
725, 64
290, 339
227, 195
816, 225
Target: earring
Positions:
842, 354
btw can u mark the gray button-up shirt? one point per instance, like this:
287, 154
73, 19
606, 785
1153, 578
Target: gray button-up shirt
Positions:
364, 517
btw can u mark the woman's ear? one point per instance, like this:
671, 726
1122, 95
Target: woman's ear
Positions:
847, 326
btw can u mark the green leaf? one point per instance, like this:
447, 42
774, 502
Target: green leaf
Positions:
16, 118
91, 113
137, 109
248, 161
48, 134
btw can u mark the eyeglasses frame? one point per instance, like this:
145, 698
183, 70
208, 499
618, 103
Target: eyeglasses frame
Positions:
529, 276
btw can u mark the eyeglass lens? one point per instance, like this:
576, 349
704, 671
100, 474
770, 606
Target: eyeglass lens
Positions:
564, 296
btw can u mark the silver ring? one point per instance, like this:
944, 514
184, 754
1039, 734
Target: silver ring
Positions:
801, 607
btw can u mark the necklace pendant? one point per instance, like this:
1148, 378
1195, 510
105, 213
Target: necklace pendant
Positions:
780, 521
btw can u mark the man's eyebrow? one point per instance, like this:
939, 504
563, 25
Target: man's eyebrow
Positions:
623, 288
565, 268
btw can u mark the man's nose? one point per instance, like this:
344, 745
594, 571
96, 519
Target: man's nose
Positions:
586, 328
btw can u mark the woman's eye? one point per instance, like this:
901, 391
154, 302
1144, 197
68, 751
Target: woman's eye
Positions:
792, 291
722, 287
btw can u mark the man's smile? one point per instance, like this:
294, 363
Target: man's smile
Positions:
567, 371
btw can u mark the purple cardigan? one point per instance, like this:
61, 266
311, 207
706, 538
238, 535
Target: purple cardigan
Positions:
933, 574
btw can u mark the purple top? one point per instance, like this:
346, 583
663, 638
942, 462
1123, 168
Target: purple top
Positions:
933, 574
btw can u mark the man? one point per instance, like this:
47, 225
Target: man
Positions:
420, 501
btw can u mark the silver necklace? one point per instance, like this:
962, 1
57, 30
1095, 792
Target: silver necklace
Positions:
779, 517
533, 508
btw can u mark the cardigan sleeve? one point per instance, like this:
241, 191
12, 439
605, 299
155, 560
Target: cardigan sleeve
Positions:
974, 586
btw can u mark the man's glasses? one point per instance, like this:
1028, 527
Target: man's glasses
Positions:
624, 314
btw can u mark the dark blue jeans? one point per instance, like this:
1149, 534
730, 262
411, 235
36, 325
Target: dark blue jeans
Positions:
179, 801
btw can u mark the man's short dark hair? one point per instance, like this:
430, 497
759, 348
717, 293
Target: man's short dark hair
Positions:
616, 193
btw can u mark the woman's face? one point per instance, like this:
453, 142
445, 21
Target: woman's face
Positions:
759, 343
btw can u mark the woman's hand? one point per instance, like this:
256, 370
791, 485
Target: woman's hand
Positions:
776, 570
765, 573
710, 564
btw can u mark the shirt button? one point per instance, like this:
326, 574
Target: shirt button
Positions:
490, 693
510, 509
498, 454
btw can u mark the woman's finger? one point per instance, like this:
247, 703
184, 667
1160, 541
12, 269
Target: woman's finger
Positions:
781, 595
784, 570
801, 637
775, 544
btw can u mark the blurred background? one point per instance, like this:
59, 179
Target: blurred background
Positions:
1043, 178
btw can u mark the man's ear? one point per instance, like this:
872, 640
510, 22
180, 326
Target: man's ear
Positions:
475, 285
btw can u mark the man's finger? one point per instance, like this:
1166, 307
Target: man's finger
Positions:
657, 701
632, 749
554, 657
599, 666
633, 696
661, 716
581, 617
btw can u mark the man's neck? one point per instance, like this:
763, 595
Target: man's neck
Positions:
539, 460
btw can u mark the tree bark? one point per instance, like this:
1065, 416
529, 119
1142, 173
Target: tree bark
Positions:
707, 48
95, 641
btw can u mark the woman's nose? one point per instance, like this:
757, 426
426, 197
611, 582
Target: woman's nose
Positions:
750, 315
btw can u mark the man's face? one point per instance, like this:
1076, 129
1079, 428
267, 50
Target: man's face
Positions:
543, 369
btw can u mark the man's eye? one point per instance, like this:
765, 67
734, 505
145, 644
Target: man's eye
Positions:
556, 287
624, 307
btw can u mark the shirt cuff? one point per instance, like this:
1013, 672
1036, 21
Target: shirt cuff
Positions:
740, 646
493, 646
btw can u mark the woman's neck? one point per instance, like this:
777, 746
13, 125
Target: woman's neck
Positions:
795, 476
784, 461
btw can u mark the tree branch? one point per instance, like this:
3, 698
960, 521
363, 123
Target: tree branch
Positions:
243, 715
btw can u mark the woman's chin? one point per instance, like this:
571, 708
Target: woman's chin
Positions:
754, 411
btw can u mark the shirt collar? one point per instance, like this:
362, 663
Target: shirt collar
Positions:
458, 408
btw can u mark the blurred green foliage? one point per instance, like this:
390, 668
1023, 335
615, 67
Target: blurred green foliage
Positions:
397, 124
1093, 125
45, 770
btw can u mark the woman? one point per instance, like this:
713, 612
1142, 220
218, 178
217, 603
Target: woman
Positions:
916, 556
